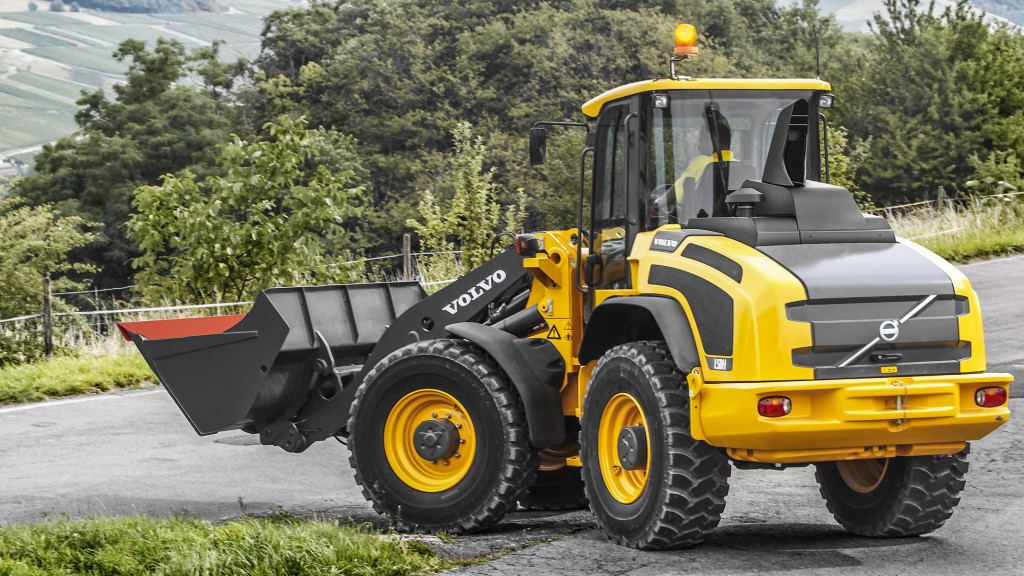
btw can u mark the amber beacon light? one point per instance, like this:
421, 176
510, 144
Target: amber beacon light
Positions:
686, 40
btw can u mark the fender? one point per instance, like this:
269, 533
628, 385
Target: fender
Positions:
536, 370
631, 318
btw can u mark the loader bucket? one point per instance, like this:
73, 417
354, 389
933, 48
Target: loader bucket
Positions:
229, 372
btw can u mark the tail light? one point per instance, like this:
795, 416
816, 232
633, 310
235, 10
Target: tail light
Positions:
990, 397
774, 406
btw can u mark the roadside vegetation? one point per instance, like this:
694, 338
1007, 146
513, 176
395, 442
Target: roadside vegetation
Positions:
183, 546
70, 375
984, 228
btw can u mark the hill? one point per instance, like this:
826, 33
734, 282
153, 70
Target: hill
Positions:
152, 6
854, 15
48, 58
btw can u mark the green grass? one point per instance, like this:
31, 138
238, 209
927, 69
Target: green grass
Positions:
91, 57
118, 34
61, 88
246, 24
70, 375
985, 228
27, 125
17, 96
181, 546
215, 32
34, 38
264, 7
40, 18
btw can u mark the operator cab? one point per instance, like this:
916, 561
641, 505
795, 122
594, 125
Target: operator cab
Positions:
671, 152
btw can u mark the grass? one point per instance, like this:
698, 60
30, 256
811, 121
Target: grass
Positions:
113, 35
39, 18
61, 89
90, 57
183, 546
70, 375
34, 38
985, 228
26, 124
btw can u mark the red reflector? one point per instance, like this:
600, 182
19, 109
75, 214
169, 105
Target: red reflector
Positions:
774, 406
990, 397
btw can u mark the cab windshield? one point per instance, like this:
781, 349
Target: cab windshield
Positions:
684, 177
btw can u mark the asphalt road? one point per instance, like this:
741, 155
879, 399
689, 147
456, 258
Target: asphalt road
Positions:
996, 282
133, 452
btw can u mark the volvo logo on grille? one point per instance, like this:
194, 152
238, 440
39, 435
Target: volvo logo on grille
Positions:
889, 330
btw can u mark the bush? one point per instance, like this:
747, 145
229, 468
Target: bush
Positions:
57, 6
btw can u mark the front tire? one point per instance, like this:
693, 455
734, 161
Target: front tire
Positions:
675, 496
893, 497
461, 396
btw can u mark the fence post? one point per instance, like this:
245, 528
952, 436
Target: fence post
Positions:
47, 317
406, 257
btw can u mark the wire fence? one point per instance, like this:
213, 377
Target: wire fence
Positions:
942, 201
82, 318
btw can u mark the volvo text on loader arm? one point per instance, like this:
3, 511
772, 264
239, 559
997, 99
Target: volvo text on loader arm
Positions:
722, 307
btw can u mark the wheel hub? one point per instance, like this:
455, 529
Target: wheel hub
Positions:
632, 447
436, 439
622, 448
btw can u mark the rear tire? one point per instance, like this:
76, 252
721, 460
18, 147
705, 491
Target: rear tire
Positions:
677, 496
894, 497
560, 489
467, 491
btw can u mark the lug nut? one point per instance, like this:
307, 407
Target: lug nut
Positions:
446, 462
458, 454
433, 414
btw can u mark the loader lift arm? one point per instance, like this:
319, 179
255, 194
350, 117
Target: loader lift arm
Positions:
290, 368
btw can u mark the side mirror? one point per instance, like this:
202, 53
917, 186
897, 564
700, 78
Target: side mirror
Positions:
538, 146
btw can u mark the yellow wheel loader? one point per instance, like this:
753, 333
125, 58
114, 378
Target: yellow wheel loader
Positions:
723, 306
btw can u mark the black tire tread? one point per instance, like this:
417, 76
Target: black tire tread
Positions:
556, 495
694, 499
520, 459
929, 491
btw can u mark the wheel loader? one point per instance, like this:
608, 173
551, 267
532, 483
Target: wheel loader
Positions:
723, 306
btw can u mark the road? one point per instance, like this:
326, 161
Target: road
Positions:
133, 452
996, 282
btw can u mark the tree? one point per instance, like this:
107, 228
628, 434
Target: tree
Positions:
472, 218
57, 6
934, 90
154, 126
33, 7
37, 240
270, 217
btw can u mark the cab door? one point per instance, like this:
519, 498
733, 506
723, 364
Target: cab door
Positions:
615, 211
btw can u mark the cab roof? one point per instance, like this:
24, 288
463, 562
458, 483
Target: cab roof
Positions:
593, 107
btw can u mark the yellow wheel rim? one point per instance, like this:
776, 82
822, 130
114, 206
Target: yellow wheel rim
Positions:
624, 485
399, 430
863, 475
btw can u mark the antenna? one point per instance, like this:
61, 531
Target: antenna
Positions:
817, 50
